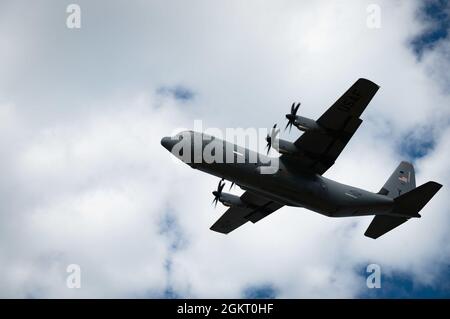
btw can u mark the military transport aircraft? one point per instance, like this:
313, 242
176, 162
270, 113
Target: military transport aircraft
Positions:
298, 179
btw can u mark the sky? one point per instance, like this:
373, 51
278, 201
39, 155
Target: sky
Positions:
85, 180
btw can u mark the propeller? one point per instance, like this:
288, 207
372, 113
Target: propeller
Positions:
291, 116
271, 137
232, 184
218, 192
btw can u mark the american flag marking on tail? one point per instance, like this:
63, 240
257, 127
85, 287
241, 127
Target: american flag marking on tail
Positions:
403, 179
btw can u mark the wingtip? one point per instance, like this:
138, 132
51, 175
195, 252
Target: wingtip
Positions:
369, 82
370, 236
217, 230
436, 184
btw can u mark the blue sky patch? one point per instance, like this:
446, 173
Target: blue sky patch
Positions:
402, 285
436, 13
170, 228
417, 144
177, 92
264, 291
169, 292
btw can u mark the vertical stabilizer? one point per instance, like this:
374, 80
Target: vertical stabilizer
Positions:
402, 180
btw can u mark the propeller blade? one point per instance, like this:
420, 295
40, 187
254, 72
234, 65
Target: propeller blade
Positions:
232, 184
269, 143
296, 109
291, 117
287, 125
271, 137
274, 133
218, 192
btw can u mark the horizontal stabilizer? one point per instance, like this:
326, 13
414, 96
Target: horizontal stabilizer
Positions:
381, 224
405, 206
412, 202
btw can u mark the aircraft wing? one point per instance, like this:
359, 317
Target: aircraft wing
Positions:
258, 207
319, 149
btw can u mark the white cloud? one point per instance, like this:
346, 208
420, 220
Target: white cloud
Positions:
86, 181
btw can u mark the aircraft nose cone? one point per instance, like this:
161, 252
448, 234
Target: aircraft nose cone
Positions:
167, 143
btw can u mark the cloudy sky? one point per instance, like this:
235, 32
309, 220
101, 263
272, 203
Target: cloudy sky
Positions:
84, 179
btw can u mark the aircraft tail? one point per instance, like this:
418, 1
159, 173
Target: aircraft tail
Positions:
408, 200
402, 180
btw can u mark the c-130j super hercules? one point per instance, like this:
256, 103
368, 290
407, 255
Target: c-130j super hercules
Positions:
298, 180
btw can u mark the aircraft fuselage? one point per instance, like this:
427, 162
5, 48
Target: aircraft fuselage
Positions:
285, 185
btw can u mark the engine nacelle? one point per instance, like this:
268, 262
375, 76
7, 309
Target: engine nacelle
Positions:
285, 147
305, 124
231, 200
